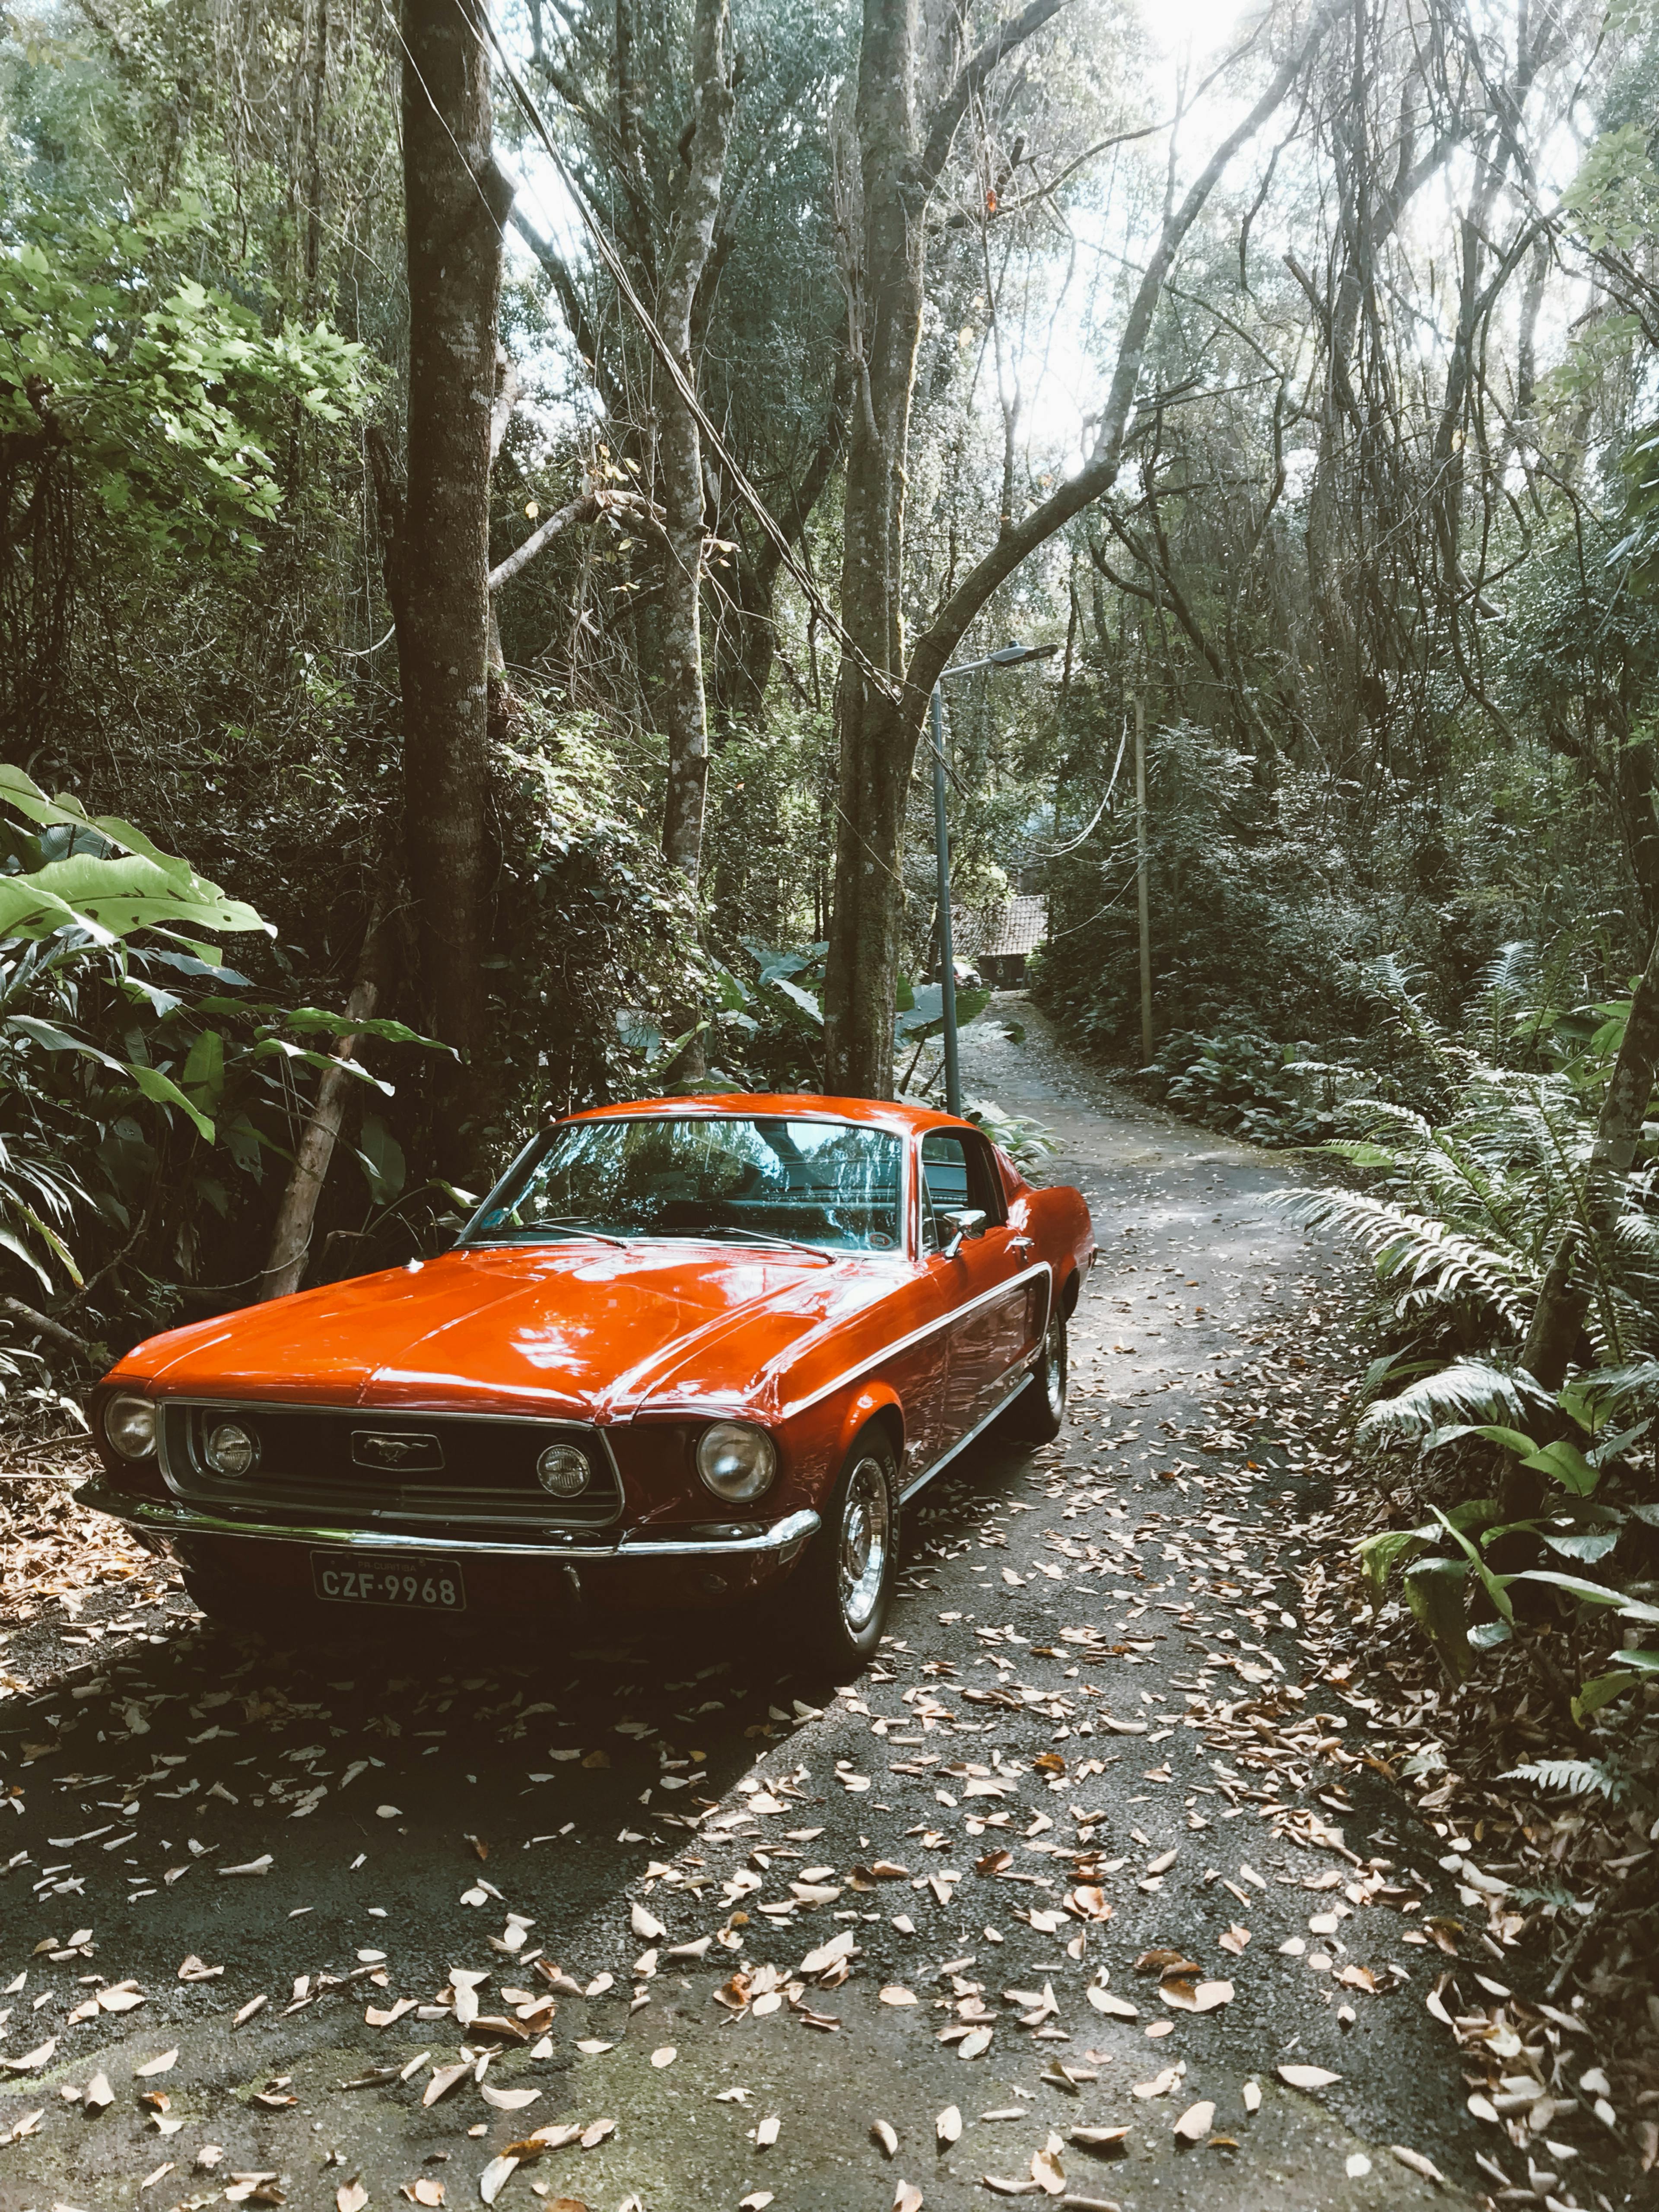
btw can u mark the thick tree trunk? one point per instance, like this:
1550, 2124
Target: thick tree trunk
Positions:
877, 740
455, 201
684, 706
1564, 1299
291, 1234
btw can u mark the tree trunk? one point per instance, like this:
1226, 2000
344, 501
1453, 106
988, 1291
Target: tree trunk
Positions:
684, 706
1564, 1299
877, 740
291, 1234
455, 201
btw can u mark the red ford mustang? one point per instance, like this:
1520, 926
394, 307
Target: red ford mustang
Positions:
687, 1351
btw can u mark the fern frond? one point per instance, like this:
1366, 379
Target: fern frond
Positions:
1509, 972
1437, 1264
1579, 1777
1470, 1390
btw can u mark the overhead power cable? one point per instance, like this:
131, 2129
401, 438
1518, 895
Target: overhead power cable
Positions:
891, 690
1059, 851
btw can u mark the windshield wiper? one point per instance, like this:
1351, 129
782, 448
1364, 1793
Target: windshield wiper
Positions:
569, 1221
761, 1236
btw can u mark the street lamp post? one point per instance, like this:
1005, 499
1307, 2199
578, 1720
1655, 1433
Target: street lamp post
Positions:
1008, 656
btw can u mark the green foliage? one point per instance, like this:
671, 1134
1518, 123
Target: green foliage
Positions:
1028, 1143
132, 1074
1462, 1211
1257, 921
1437, 1557
168, 399
767, 1033
105, 879
1578, 1777
1243, 1083
595, 956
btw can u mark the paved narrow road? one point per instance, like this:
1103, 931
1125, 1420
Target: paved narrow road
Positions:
724, 1926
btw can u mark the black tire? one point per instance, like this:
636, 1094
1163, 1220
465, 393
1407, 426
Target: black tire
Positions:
1038, 1414
837, 1599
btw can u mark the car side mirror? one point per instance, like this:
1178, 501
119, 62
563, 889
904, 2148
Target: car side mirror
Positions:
967, 1221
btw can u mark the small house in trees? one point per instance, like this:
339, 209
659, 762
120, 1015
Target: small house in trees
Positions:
995, 941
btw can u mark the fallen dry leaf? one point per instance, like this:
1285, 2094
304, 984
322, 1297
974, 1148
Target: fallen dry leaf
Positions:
1114, 2007
495, 2176
885, 2137
424, 2192
350, 2196
507, 2100
1098, 2138
164, 2064
98, 2093
1046, 2171
1196, 1996
1418, 2163
444, 2079
893, 1995
1166, 1962
645, 1924
1253, 2096
767, 2133
1307, 2077
907, 2198
948, 2126
1195, 2122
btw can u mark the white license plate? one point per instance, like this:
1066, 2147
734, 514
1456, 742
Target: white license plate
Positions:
416, 1582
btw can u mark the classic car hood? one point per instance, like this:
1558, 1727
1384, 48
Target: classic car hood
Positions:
588, 1331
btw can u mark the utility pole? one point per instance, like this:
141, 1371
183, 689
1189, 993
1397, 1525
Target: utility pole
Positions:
947, 958
1140, 882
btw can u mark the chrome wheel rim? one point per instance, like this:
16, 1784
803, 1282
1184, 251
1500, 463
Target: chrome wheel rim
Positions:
1054, 1366
865, 1523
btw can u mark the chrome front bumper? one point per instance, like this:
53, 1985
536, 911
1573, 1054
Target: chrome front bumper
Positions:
159, 1517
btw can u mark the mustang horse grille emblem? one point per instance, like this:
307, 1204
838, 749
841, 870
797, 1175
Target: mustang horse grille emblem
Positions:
397, 1451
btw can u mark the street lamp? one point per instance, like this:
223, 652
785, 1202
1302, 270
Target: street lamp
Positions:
1007, 656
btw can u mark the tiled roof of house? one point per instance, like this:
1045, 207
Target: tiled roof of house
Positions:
1020, 926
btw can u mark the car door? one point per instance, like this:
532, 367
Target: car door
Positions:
997, 1316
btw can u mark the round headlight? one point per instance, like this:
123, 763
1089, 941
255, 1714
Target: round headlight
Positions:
231, 1448
736, 1461
563, 1471
129, 1424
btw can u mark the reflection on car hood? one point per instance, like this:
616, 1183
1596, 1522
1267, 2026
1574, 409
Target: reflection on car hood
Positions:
581, 1329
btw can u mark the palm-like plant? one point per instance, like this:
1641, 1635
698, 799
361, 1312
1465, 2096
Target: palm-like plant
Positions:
1461, 1213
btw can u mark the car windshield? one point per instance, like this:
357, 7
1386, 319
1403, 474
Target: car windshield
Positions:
759, 1180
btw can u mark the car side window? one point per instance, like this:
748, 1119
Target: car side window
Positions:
957, 1171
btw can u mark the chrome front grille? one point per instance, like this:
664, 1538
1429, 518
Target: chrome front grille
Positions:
400, 1469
